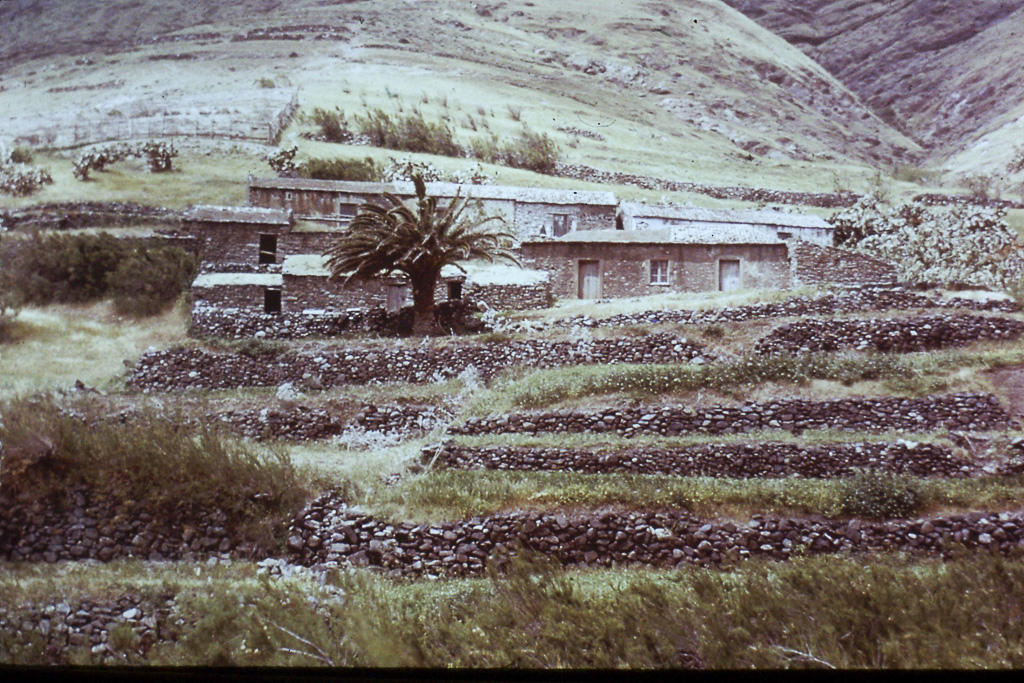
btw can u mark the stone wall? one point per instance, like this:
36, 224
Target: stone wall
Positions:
814, 264
901, 335
508, 297
625, 266
329, 533
238, 301
734, 461
236, 243
185, 367
228, 322
854, 300
976, 412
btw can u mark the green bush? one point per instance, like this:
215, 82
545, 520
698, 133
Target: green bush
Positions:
332, 124
146, 281
878, 495
341, 169
165, 460
528, 150
79, 268
409, 133
21, 155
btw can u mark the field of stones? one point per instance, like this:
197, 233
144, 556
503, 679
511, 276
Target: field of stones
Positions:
727, 486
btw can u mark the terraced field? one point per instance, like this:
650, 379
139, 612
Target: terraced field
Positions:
650, 475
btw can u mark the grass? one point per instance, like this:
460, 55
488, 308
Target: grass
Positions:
882, 611
53, 346
460, 494
154, 460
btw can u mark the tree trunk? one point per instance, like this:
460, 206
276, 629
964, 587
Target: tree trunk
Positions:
423, 321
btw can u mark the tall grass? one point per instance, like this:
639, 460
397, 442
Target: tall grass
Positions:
835, 612
152, 459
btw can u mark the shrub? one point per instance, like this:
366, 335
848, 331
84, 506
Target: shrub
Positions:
409, 133
159, 155
265, 83
21, 155
879, 495
332, 124
341, 169
532, 151
405, 168
148, 280
17, 177
283, 162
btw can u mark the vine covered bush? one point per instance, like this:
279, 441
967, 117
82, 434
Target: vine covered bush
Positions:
963, 245
17, 177
159, 156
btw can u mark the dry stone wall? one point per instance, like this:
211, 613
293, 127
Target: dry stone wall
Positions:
330, 533
184, 368
923, 333
976, 412
734, 461
860, 300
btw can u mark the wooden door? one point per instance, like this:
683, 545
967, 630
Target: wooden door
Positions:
590, 280
728, 275
396, 297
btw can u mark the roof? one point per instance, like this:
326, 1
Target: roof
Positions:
700, 214
238, 279
716, 234
477, 272
238, 214
445, 190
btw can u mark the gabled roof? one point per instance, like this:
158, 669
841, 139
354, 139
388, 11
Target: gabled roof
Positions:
718, 234
238, 214
703, 215
406, 189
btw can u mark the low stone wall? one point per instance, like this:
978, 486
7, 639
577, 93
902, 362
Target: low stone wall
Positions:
184, 368
734, 461
233, 323
813, 264
97, 528
76, 215
89, 622
976, 412
902, 335
330, 533
305, 423
509, 297
860, 300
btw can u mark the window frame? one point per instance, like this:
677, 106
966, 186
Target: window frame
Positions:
667, 273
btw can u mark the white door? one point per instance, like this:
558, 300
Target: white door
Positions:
590, 280
728, 275
397, 295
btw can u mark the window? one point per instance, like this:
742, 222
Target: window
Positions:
561, 224
783, 235
454, 291
268, 248
287, 196
346, 211
659, 272
272, 301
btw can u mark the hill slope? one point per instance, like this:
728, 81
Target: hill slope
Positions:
694, 93
946, 73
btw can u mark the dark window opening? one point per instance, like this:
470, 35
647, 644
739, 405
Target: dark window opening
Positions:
454, 291
783, 235
561, 224
268, 249
619, 225
272, 301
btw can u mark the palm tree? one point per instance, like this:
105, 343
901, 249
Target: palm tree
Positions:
418, 241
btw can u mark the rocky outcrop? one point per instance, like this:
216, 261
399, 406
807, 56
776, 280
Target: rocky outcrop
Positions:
902, 335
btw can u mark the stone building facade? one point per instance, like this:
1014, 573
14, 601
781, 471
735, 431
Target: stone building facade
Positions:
816, 265
610, 264
526, 211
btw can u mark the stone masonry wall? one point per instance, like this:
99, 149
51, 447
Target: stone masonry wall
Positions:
814, 264
976, 412
184, 367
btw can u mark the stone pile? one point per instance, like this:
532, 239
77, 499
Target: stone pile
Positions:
900, 335
860, 300
88, 623
184, 367
735, 461
101, 529
328, 532
974, 412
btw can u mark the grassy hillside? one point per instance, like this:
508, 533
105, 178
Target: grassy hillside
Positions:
697, 93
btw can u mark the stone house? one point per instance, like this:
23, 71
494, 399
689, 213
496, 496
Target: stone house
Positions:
526, 211
623, 263
693, 222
